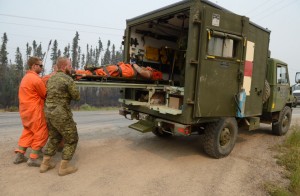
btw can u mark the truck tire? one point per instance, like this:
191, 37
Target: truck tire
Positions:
282, 126
160, 133
220, 137
267, 91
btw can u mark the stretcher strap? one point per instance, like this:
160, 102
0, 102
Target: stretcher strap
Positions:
119, 70
106, 71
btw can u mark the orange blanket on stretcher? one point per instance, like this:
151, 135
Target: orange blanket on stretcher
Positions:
123, 70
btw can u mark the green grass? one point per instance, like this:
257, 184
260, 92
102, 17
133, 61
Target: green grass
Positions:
276, 191
10, 109
289, 158
87, 107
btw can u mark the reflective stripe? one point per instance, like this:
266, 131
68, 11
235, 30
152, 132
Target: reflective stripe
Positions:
21, 150
33, 156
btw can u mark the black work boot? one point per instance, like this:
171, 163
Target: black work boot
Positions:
20, 158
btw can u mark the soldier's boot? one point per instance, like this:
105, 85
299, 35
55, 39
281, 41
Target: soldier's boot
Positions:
20, 158
46, 164
34, 162
65, 168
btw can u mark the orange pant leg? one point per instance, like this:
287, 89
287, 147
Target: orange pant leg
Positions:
26, 138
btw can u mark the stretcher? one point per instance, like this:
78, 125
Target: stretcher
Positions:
119, 82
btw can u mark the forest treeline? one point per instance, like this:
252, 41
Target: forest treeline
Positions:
12, 71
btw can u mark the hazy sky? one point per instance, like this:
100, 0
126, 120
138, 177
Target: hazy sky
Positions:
28, 20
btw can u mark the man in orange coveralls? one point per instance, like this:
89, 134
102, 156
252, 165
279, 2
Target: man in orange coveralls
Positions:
32, 94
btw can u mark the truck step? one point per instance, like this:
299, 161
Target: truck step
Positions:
143, 126
253, 123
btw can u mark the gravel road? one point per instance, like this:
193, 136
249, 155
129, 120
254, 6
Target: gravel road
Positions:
115, 160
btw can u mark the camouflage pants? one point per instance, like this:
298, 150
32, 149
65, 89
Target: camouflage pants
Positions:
61, 128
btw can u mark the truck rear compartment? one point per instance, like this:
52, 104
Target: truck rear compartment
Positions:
161, 44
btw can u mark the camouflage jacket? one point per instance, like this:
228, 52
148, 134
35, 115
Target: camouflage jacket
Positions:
61, 89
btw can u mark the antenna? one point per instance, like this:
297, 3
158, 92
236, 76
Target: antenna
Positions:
45, 59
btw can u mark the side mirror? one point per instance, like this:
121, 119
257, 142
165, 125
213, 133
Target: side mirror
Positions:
297, 78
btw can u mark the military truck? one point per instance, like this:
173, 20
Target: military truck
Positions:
218, 75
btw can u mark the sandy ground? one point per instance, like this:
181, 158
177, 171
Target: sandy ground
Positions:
115, 160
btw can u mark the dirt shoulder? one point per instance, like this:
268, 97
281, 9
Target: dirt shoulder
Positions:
115, 160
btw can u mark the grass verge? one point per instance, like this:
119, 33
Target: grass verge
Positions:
289, 158
87, 107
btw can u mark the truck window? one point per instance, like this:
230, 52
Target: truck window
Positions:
221, 47
297, 77
282, 77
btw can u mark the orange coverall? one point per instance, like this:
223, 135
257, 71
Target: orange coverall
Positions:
32, 94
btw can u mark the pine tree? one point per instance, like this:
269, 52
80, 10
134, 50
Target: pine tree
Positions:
3, 55
98, 52
75, 63
41, 55
113, 54
34, 47
88, 58
67, 51
54, 52
119, 55
82, 61
58, 53
78, 58
19, 62
16, 72
39, 52
94, 56
3, 69
91, 60
106, 59
28, 51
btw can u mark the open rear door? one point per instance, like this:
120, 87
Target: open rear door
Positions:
220, 63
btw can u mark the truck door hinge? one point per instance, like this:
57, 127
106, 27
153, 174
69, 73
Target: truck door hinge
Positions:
240, 76
193, 62
189, 101
196, 21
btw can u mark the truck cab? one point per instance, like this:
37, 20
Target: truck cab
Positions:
280, 90
296, 88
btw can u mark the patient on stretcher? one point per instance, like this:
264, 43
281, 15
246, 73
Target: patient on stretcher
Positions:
121, 70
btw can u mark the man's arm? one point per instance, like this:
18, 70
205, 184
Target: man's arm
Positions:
40, 88
73, 90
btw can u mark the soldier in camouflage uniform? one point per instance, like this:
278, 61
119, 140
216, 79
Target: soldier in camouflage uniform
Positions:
61, 89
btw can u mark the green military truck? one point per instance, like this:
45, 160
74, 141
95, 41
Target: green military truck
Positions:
217, 75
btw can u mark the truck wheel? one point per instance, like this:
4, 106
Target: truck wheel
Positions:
282, 126
160, 133
267, 91
220, 137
